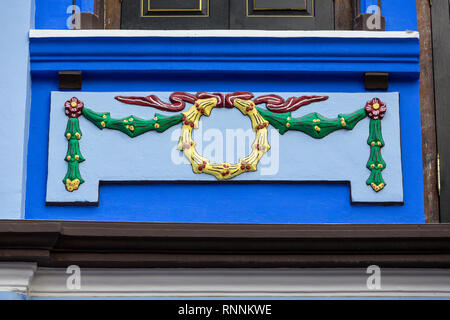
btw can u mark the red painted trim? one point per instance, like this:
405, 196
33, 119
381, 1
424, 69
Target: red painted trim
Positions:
178, 100
277, 104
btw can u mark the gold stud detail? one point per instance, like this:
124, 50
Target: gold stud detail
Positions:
131, 128
103, 124
317, 128
156, 125
377, 188
68, 136
78, 136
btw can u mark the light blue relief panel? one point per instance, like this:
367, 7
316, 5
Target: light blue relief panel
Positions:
113, 156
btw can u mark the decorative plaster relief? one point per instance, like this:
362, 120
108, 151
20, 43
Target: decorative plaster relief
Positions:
277, 112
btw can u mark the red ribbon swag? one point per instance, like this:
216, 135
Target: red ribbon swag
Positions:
178, 101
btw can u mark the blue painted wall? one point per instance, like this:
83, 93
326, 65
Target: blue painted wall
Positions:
52, 14
400, 15
365, 4
290, 203
16, 18
9, 295
282, 203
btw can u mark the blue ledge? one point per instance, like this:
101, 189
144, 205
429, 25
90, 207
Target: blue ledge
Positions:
319, 51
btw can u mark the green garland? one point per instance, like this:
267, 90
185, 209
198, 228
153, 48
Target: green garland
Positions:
132, 126
376, 163
73, 179
317, 126
314, 124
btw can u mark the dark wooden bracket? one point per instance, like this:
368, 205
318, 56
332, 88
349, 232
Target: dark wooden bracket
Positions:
70, 80
376, 80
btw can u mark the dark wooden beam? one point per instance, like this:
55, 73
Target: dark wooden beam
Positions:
343, 15
356, 8
427, 112
113, 12
128, 244
440, 16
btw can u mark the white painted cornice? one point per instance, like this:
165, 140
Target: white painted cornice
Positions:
16, 277
36, 33
25, 278
242, 283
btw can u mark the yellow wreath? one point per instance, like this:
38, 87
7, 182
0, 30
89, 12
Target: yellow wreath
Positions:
224, 170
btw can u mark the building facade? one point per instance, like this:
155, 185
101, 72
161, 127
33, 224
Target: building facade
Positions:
128, 172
